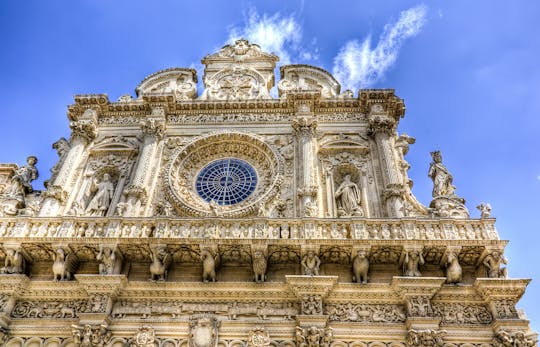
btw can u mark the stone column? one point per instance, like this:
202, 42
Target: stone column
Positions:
304, 128
153, 129
382, 128
83, 131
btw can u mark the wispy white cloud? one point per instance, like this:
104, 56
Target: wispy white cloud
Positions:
279, 34
358, 65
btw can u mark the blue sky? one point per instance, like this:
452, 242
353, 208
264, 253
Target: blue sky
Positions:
468, 71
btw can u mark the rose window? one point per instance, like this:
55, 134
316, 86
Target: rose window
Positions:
226, 181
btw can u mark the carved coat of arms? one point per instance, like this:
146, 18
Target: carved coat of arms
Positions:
203, 331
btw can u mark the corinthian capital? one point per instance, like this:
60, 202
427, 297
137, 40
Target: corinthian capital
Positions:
304, 126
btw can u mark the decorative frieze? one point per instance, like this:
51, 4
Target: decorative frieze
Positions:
366, 313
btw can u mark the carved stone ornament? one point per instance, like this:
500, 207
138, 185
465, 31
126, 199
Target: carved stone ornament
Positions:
145, 337
314, 336
505, 338
14, 263
182, 83
376, 313
258, 337
304, 78
91, 336
425, 338
187, 162
312, 305
203, 331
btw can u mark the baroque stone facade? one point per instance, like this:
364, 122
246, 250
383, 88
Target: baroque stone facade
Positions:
232, 218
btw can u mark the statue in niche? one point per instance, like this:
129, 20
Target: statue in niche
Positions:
14, 262
310, 264
348, 198
442, 178
493, 262
102, 196
410, 265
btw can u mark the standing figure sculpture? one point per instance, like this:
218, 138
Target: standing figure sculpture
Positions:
310, 264
104, 190
26, 174
493, 262
348, 198
442, 178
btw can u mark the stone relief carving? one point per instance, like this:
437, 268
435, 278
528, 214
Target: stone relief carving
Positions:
65, 264
445, 202
419, 306
91, 336
425, 338
457, 313
505, 309
258, 337
144, 337
314, 336
310, 264
493, 263
375, 313
295, 78
312, 305
505, 338
182, 83
14, 262
161, 261
360, 267
48, 309
203, 331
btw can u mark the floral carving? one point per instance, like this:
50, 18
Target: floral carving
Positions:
375, 313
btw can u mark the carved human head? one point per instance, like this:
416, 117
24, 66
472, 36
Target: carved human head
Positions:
106, 177
437, 157
32, 160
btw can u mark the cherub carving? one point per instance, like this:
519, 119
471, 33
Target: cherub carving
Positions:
64, 265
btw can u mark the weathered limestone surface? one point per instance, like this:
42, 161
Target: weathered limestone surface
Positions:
230, 218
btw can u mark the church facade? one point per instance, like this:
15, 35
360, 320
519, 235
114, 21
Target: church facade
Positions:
236, 218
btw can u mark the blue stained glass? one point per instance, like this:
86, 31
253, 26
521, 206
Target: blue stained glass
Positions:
226, 181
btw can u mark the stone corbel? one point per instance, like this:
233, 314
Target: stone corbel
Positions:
10, 288
311, 292
501, 295
102, 290
16, 259
417, 292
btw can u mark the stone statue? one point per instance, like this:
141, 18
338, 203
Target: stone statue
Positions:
493, 262
210, 263
453, 269
410, 265
485, 210
14, 262
26, 174
360, 267
442, 178
348, 198
109, 263
161, 261
103, 194
64, 265
310, 264
259, 266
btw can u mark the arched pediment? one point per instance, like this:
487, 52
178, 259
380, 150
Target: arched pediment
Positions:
181, 82
306, 77
116, 143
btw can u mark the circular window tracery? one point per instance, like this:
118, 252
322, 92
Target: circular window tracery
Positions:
226, 181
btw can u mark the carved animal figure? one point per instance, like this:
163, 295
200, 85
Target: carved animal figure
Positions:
453, 269
360, 267
14, 262
161, 260
259, 267
64, 265
209, 264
